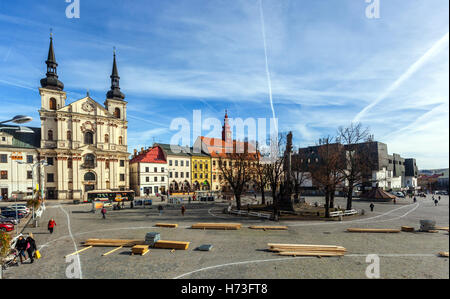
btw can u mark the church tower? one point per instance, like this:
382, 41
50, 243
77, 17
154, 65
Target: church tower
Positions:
226, 131
115, 103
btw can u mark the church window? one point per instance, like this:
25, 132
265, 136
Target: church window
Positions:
89, 160
50, 135
89, 176
88, 138
120, 140
106, 138
52, 104
69, 135
117, 113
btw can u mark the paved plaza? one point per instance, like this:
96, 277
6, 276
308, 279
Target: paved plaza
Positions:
240, 254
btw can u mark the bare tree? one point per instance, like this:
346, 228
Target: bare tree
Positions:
260, 178
325, 166
300, 172
274, 169
237, 171
359, 161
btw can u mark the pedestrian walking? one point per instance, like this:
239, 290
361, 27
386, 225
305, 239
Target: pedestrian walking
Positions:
51, 225
372, 206
395, 201
415, 199
103, 211
183, 209
436, 202
439, 198
160, 209
31, 247
21, 246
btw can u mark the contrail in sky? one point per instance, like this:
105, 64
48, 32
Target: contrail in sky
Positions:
412, 69
269, 81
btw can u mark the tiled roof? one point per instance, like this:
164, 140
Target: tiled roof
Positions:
23, 140
218, 148
178, 150
153, 155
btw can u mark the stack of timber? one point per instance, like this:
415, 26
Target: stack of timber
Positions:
172, 245
169, 225
224, 226
373, 230
441, 228
443, 254
307, 250
264, 227
408, 229
112, 243
139, 249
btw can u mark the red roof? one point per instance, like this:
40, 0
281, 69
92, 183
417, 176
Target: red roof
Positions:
153, 155
219, 148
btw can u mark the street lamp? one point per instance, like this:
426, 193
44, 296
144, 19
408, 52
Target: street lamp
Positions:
18, 119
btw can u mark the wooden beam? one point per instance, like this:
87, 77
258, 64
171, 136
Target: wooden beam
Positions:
114, 250
79, 251
372, 230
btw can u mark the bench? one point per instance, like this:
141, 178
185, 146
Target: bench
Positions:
336, 214
350, 212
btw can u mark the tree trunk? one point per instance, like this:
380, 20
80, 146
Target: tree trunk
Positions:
263, 197
350, 195
327, 204
238, 201
331, 197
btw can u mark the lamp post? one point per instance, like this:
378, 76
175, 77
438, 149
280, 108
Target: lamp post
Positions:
18, 119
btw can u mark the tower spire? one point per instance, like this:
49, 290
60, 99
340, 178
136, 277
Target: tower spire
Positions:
115, 93
51, 80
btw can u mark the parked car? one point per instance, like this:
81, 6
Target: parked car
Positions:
9, 220
12, 213
6, 227
20, 207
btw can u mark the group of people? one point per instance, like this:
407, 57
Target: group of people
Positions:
26, 245
161, 208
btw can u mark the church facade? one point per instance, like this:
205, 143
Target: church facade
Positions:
84, 142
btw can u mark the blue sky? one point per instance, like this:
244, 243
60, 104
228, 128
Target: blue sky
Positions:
327, 60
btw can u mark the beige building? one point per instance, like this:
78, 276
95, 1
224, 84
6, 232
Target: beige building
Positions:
178, 166
84, 143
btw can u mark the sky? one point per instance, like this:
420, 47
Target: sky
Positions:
315, 65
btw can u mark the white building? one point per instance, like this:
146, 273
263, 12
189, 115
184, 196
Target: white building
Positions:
149, 174
18, 154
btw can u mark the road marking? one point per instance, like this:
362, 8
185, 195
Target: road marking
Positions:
73, 240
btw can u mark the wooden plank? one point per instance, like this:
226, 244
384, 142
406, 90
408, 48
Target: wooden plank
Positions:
372, 230
443, 254
223, 226
269, 227
79, 251
408, 229
163, 244
441, 228
310, 253
124, 243
170, 225
114, 250
303, 246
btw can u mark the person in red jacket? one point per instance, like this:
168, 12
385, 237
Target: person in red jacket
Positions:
51, 225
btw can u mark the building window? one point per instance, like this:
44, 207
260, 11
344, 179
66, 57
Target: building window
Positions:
120, 140
155, 179
195, 166
187, 175
170, 162
147, 179
187, 163
122, 163
3, 158
181, 174
89, 176
106, 138
50, 135
182, 163
162, 169
206, 166
88, 138
4, 175
29, 175
70, 163
214, 163
201, 175
162, 179
176, 175
176, 162
107, 164
50, 178
155, 169
69, 135
195, 175
117, 113
170, 174
50, 161
52, 104
147, 169
29, 159
122, 177
89, 161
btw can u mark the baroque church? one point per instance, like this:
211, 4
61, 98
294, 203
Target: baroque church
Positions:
84, 142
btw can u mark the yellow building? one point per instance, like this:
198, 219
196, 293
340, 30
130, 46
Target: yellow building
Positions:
200, 171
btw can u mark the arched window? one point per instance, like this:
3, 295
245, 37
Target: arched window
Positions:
106, 138
88, 138
89, 176
69, 135
89, 160
117, 113
120, 140
50, 135
52, 104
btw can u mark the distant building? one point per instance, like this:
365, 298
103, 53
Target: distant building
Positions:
179, 167
434, 179
149, 174
18, 153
